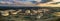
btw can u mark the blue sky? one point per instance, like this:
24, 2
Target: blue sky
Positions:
26, 0
20, 0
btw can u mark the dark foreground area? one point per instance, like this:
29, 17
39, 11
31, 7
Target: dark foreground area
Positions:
47, 15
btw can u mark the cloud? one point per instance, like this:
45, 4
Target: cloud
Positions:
56, 0
17, 3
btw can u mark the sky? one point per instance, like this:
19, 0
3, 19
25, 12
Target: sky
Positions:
23, 0
26, 0
33, 0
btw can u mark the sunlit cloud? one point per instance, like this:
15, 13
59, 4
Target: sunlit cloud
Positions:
28, 2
